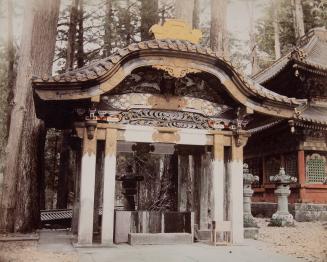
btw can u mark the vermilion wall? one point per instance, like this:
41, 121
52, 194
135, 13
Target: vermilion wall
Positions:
310, 193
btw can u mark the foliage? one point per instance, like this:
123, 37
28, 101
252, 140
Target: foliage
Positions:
315, 15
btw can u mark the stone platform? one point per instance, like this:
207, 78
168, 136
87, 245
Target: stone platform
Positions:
159, 238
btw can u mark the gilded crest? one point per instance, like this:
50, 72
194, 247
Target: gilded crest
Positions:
176, 29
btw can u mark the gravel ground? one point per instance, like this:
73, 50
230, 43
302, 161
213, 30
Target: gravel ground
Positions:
306, 240
19, 251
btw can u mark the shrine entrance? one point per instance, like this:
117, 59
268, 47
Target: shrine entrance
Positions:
189, 179
160, 96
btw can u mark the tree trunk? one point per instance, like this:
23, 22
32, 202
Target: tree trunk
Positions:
196, 14
19, 205
11, 60
41, 168
218, 29
52, 173
149, 17
275, 5
70, 56
253, 45
128, 23
80, 40
108, 29
298, 18
64, 170
184, 10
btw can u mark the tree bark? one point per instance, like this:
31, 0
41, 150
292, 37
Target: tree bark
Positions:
253, 45
70, 56
184, 10
64, 171
218, 30
108, 29
149, 17
275, 5
196, 14
298, 18
80, 40
41, 168
19, 205
11, 60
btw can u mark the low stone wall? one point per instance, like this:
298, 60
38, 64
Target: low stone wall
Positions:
300, 211
267, 209
310, 212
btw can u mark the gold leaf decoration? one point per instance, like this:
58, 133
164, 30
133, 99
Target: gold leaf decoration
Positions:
177, 30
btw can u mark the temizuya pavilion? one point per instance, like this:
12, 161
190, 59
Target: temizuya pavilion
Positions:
168, 91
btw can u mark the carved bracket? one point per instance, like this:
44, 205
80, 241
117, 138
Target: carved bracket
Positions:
90, 127
241, 138
177, 71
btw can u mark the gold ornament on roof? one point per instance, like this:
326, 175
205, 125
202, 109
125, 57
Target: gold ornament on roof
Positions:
176, 29
176, 67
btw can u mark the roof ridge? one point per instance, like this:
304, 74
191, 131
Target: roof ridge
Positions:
303, 40
97, 69
178, 45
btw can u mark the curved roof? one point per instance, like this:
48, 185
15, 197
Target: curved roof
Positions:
310, 53
103, 75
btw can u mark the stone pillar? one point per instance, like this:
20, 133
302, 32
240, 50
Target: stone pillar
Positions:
109, 182
236, 190
218, 179
248, 179
85, 223
282, 217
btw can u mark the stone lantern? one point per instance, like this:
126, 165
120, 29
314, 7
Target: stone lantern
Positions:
282, 217
248, 179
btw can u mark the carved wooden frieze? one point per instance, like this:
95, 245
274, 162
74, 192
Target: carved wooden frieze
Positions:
177, 71
154, 81
150, 101
160, 118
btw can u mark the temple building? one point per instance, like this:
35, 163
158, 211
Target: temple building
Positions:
185, 113
297, 143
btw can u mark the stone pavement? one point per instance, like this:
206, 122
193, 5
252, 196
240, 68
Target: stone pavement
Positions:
251, 251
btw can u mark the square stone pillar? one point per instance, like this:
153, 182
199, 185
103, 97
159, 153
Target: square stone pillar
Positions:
236, 191
109, 182
218, 173
85, 223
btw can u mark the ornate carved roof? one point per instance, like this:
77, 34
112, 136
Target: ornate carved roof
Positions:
81, 83
309, 54
313, 113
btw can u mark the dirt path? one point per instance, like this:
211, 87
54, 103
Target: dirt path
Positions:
20, 251
306, 240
